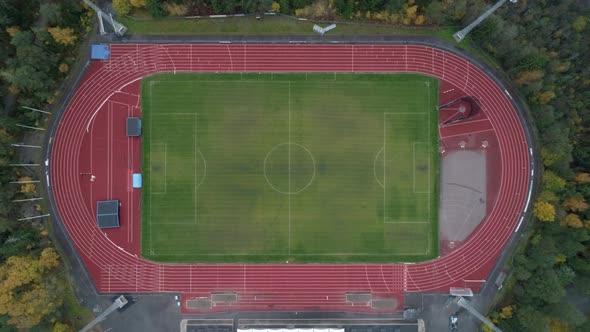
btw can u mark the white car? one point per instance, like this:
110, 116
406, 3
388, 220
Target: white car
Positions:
453, 323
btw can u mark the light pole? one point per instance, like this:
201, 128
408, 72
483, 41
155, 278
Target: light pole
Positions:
459, 35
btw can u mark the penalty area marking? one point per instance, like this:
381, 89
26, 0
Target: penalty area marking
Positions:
429, 170
165, 145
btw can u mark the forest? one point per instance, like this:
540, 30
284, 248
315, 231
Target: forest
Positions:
39, 41
542, 47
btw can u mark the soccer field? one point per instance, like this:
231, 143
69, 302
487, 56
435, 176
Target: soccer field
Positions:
290, 167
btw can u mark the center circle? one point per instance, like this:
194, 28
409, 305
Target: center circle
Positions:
289, 168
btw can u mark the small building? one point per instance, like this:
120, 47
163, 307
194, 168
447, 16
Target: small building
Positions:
133, 127
137, 180
107, 214
100, 52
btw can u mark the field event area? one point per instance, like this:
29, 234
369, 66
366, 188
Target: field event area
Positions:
290, 168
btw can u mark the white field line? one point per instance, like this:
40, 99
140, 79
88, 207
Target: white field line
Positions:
385, 221
289, 165
165, 145
151, 229
196, 182
429, 191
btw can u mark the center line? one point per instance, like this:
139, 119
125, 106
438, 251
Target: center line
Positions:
289, 111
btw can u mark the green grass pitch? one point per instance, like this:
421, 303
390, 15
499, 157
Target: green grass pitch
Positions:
290, 167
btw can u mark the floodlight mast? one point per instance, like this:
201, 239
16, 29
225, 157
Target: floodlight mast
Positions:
459, 35
118, 27
467, 306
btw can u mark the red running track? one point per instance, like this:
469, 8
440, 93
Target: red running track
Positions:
295, 287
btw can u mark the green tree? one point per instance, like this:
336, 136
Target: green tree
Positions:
553, 182
544, 286
531, 320
566, 312
154, 7
285, 7
51, 12
344, 8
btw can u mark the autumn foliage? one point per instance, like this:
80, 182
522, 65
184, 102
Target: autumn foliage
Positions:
544, 211
64, 36
572, 221
27, 292
575, 204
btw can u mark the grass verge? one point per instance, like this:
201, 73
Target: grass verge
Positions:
268, 25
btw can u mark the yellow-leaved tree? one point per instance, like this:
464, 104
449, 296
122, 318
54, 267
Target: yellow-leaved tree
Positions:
28, 291
64, 36
575, 204
60, 327
544, 211
572, 221
27, 188
48, 260
137, 3
543, 98
122, 7
582, 178
275, 7
528, 77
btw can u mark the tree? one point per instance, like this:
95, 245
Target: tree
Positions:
154, 7
175, 9
51, 12
572, 221
582, 178
344, 8
566, 312
420, 20
579, 23
457, 10
528, 76
27, 188
531, 320
544, 211
275, 7
506, 312
29, 70
122, 7
553, 182
545, 97
27, 292
284, 6
575, 204
218, 6
64, 36
558, 325
17, 240
434, 12
138, 3
48, 259
548, 196
61, 327
544, 286
549, 157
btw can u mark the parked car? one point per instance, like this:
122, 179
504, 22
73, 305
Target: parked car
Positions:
453, 323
